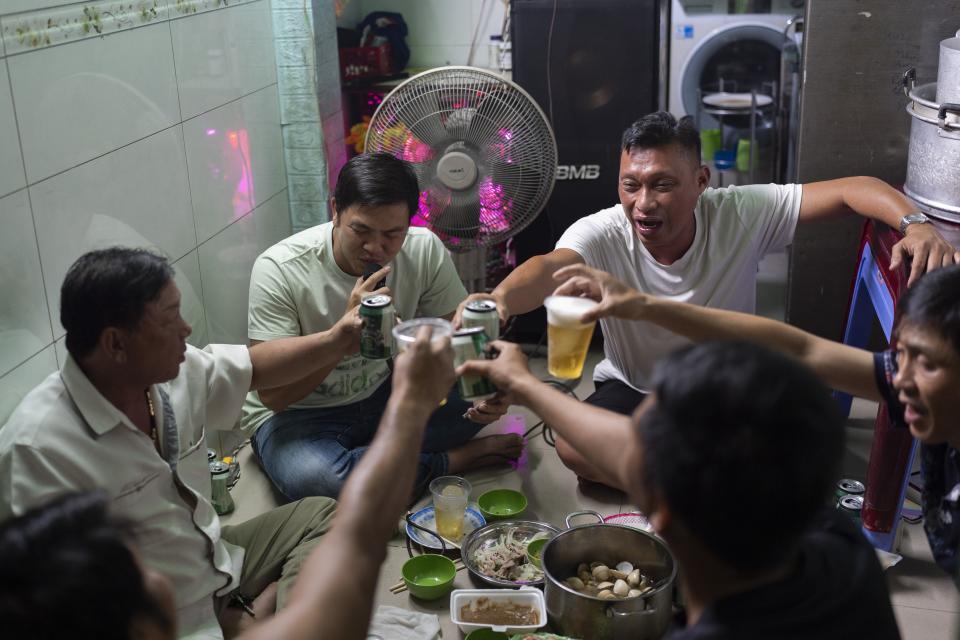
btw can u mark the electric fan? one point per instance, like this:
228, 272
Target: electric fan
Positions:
484, 154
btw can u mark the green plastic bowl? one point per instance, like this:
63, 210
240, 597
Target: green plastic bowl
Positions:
429, 576
535, 550
486, 634
501, 504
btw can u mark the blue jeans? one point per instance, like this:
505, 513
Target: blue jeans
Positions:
310, 452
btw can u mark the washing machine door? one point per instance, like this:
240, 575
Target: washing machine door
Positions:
744, 55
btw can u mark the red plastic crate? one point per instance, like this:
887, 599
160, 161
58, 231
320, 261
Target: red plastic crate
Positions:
362, 62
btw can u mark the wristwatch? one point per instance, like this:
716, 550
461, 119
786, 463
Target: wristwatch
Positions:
912, 218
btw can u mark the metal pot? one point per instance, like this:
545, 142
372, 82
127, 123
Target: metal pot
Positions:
933, 168
645, 617
948, 73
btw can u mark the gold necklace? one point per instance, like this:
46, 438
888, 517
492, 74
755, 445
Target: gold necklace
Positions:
153, 420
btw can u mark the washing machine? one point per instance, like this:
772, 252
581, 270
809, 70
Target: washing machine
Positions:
725, 49
709, 43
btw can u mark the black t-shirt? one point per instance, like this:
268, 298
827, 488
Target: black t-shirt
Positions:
837, 591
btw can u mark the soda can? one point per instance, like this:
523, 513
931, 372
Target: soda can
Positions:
482, 313
468, 344
376, 337
220, 494
848, 487
851, 506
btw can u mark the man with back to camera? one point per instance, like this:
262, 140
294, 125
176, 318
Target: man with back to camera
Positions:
732, 457
673, 237
308, 435
129, 412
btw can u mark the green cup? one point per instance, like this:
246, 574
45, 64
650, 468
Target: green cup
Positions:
429, 576
710, 143
743, 155
501, 504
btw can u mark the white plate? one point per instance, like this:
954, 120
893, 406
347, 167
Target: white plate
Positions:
724, 100
427, 519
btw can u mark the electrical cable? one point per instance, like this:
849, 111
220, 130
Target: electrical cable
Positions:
553, 21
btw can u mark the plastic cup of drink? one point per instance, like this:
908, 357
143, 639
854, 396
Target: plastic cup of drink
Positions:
450, 497
568, 339
405, 334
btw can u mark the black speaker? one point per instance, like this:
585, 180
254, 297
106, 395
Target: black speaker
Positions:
603, 72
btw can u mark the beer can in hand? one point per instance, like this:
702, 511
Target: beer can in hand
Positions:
376, 337
469, 344
482, 313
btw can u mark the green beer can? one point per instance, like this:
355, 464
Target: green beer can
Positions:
468, 344
220, 495
482, 313
376, 339
851, 506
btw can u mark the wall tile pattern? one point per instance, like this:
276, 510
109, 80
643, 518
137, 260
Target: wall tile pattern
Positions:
188, 126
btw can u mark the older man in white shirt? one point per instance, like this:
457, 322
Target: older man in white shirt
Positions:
128, 412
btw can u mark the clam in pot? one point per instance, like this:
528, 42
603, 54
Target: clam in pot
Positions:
570, 613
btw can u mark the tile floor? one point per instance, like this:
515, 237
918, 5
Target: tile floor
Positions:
925, 601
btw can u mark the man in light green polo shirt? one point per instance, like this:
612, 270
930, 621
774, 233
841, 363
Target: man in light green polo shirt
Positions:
309, 435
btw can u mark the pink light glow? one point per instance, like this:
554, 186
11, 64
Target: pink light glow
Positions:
414, 150
244, 197
211, 132
495, 207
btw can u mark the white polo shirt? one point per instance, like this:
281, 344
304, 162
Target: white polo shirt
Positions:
65, 437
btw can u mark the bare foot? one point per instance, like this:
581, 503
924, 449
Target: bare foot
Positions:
485, 451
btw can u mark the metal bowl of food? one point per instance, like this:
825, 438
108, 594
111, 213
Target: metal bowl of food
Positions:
496, 553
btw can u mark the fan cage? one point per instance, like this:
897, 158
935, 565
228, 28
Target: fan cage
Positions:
494, 122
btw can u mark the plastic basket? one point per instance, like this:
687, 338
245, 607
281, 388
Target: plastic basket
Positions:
363, 62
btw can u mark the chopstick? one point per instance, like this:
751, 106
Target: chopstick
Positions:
401, 586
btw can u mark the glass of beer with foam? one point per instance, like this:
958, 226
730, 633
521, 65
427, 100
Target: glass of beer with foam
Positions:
567, 338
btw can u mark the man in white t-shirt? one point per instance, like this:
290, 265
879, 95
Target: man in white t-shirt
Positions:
309, 435
673, 237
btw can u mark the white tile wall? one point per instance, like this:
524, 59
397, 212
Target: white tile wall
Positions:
222, 55
11, 164
127, 79
18, 382
24, 321
109, 157
136, 196
235, 158
226, 260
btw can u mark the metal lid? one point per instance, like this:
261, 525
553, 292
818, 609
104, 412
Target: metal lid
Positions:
482, 306
467, 331
851, 503
376, 301
851, 486
218, 466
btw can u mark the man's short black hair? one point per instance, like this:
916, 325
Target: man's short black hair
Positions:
744, 444
933, 302
68, 572
377, 179
108, 288
660, 129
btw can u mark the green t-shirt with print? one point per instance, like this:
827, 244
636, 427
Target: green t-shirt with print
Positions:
297, 288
